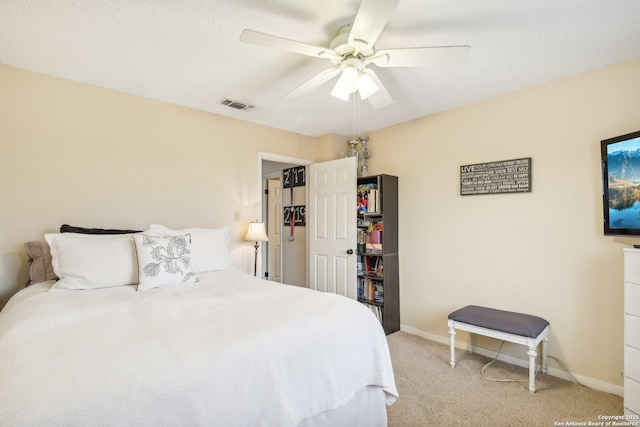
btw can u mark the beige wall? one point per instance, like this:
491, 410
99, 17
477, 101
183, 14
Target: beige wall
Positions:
542, 252
88, 156
78, 154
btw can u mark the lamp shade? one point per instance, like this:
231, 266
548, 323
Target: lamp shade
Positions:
367, 86
256, 232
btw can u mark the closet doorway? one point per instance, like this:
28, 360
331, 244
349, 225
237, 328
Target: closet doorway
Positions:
284, 260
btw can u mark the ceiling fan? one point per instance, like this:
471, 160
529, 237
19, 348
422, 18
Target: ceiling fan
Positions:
353, 50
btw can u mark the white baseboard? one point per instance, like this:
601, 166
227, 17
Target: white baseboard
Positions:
560, 373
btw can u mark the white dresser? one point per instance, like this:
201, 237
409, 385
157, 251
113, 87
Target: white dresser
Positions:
632, 331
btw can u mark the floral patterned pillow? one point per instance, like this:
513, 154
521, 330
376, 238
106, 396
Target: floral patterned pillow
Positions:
163, 260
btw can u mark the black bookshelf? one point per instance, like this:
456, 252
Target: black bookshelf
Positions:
378, 271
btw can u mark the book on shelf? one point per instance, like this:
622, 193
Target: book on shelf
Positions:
372, 265
377, 310
374, 200
368, 199
378, 295
371, 290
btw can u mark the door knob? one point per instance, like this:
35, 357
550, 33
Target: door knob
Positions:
350, 252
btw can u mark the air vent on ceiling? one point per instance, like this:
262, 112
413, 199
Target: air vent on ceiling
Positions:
236, 104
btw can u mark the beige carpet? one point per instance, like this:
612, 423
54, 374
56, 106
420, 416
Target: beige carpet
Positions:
434, 394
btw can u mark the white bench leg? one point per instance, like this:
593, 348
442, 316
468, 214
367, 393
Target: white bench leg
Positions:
452, 332
532, 368
545, 341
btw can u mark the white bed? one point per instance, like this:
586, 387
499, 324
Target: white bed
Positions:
229, 350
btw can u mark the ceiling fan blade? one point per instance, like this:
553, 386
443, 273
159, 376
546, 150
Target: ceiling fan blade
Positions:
421, 56
312, 84
371, 18
268, 40
381, 97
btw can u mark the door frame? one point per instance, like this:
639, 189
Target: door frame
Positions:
262, 156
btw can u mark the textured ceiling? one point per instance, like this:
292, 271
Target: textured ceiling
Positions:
188, 52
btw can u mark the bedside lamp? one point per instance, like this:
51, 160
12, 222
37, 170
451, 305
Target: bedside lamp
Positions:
256, 233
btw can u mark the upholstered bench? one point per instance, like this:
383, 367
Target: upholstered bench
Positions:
504, 325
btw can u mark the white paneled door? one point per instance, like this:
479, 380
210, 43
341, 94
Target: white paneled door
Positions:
331, 222
274, 218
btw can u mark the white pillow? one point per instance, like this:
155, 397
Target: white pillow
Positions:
209, 246
90, 261
163, 260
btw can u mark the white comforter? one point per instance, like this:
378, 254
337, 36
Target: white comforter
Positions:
230, 350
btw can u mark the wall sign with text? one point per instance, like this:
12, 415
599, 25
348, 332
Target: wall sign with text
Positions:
506, 176
300, 215
293, 177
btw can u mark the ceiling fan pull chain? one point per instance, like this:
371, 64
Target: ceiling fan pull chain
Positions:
353, 109
356, 98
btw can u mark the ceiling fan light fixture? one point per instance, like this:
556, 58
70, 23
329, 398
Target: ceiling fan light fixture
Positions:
350, 77
340, 93
366, 86
346, 84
